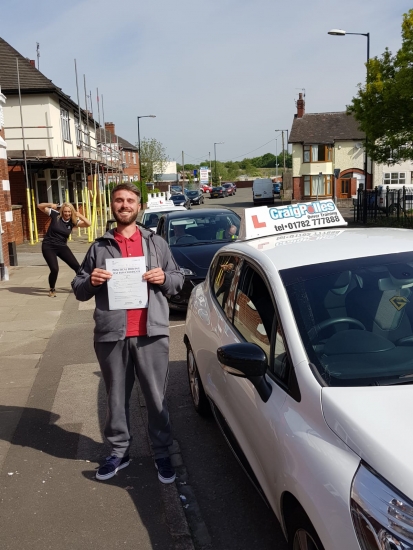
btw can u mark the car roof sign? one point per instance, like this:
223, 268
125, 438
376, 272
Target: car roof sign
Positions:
263, 221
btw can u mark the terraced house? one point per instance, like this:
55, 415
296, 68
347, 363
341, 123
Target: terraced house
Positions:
52, 150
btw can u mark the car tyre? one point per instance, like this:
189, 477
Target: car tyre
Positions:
199, 398
301, 533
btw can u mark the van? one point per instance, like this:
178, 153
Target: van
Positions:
262, 191
392, 198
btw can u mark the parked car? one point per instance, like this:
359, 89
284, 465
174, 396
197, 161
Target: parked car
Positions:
196, 196
151, 216
276, 188
304, 352
262, 191
230, 187
179, 199
194, 238
218, 192
176, 189
205, 188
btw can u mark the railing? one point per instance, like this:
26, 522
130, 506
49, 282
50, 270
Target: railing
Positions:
384, 206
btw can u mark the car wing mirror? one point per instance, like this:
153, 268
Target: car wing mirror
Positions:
246, 360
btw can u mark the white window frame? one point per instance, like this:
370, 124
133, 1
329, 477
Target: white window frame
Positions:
47, 177
395, 178
134, 158
65, 122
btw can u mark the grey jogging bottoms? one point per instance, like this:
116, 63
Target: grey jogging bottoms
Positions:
149, 358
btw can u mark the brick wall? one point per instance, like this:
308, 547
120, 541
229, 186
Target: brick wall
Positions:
5, 202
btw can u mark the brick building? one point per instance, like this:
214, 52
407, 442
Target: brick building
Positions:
7, 232
321, 143
59, 146
129, 154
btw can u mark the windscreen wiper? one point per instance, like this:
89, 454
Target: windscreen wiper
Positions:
400, 381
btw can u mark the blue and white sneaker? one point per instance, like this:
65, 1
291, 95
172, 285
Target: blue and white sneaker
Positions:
111, 466
166, 472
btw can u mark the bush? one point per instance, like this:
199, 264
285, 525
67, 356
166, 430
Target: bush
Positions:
141, 185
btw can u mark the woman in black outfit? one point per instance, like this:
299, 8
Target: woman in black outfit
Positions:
55, 241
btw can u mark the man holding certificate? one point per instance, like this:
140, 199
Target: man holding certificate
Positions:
129, 271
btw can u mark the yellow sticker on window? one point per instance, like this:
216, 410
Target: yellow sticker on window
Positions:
399, 302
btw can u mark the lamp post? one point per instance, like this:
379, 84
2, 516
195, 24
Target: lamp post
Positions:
340, 32
215, 155
139, 143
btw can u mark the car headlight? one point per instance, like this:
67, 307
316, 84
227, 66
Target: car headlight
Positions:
382, 517
186, 271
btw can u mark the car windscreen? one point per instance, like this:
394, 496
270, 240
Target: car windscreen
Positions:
204, 228
217, 189
151, 219
178, 197
355, 318
192, 193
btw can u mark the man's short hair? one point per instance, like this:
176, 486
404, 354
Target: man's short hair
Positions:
126, 187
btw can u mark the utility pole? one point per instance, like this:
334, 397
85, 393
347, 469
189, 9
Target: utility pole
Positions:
183, 173
276, 158
282, 133
210, 170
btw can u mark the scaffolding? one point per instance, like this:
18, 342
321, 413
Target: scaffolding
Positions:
96, 162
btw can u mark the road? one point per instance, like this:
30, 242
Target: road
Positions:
235, 515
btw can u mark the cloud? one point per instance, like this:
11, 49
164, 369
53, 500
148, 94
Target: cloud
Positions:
210, 70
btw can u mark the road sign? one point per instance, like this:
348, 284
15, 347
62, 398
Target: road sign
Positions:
203, 173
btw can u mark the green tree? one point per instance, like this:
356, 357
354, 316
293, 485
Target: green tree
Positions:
153, 158
384, 105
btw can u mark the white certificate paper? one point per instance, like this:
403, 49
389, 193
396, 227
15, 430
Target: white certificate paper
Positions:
126, 288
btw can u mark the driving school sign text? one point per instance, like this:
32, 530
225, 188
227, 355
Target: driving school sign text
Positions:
263, 221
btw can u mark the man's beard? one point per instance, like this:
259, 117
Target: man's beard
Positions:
129, 220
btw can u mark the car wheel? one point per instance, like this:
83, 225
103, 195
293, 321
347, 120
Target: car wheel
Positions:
301, 533
199, 399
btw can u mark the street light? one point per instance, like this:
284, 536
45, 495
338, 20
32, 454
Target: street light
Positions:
215, 154
340, 32
139, 143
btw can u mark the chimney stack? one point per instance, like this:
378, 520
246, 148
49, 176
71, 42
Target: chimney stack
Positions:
110, 127
32, 63
300, 106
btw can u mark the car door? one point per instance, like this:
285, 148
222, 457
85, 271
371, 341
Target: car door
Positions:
255, 424
223, 277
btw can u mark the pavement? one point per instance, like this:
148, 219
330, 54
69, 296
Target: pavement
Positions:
52, 410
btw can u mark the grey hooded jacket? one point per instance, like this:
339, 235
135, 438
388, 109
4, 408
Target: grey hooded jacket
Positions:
110, 326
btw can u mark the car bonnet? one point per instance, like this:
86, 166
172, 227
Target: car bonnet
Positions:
376, 423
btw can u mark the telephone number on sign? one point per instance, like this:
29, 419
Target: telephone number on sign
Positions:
304, 224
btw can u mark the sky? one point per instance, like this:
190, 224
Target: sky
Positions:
210, 70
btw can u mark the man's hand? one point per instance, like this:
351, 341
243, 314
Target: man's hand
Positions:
155, 276
99, 276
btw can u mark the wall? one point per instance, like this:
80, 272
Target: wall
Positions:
42, 110
380, 169
347, 155
7, 230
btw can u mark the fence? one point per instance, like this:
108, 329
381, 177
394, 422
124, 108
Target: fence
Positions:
384, 206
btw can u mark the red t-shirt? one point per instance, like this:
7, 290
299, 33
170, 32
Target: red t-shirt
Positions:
136, 318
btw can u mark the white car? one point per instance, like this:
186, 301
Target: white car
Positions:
302, 345
152, 215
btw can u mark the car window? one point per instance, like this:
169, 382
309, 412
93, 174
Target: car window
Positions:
254, 310
355, 318
225, 281
211, 227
